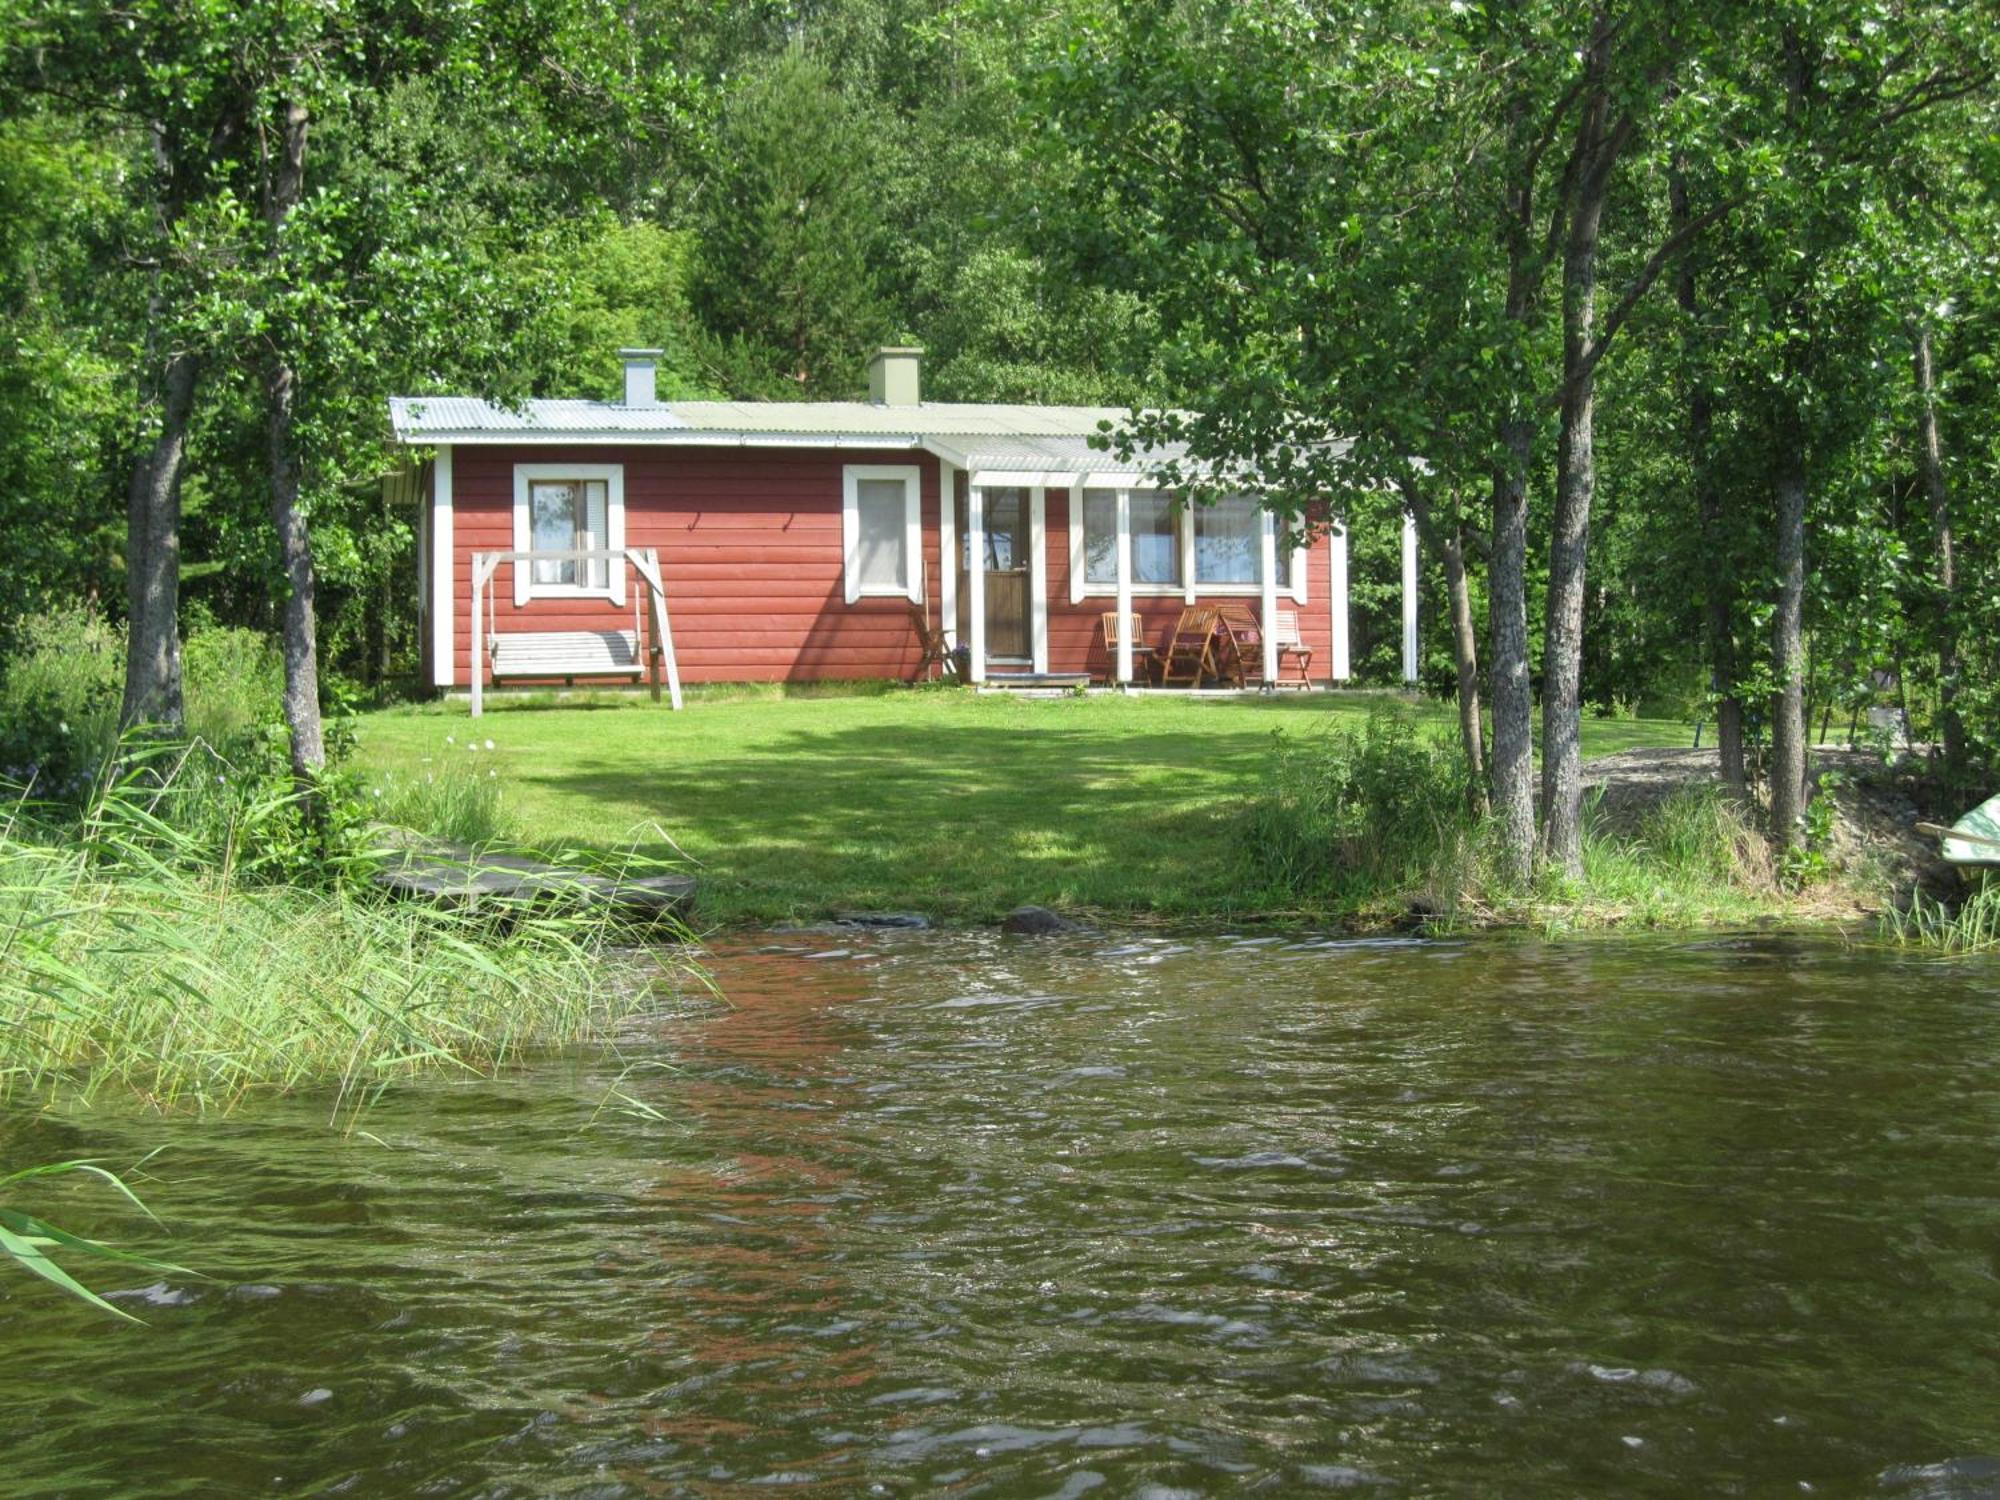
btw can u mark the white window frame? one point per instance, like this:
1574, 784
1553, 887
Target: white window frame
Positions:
1082, 587
612, 476
911, 477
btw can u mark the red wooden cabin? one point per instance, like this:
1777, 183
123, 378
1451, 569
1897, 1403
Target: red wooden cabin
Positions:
793, 537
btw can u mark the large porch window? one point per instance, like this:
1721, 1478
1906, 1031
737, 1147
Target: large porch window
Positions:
1177, 548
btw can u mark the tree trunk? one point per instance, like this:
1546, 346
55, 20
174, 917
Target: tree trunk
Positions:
1930, 449
1576, 488
1507, 623
1788, 728
1450, 543
1465, 655
153, 560
1719, 598
294, 544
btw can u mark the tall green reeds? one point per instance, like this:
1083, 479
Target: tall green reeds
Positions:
1972, 927
40, 1248
141, 953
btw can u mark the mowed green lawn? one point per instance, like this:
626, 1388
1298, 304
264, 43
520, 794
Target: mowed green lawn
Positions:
957, 805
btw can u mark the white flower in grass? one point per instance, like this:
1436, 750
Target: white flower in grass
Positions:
489, 744
451, 739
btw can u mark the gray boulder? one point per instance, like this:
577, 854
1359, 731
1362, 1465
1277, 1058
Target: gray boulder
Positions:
1037, 921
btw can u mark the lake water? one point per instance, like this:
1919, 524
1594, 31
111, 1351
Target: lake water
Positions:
981, 1216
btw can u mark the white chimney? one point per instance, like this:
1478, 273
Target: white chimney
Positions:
639, 386
893, 376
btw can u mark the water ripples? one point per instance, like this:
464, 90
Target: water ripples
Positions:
983, 1216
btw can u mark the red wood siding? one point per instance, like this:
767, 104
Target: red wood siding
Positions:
750, 550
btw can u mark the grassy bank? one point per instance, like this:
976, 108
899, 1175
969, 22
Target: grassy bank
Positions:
963, 806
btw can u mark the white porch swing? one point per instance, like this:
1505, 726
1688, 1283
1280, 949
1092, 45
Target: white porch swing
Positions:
538, 655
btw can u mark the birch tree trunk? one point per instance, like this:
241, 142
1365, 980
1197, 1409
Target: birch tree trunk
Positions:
1465, 656
1930, 450
1576, 487
1507, 623
298, 623
153, 559
1449, 542
1788, 727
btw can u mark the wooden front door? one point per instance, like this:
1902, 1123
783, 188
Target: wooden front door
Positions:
1006, 577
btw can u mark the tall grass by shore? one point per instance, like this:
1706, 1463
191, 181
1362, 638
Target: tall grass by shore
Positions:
123, 968
1377, 824
1973, 926
173, 924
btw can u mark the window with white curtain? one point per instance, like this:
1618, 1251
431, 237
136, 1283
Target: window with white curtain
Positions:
882, 545
562, 507
1156, 539
1229, 544
881, 553
567, 515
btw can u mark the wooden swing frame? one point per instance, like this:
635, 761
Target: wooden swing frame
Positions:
658, 651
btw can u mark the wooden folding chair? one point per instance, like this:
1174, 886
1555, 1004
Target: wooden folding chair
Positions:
1142, 650
1286, 632
1190, 655
1240, 649
936, 652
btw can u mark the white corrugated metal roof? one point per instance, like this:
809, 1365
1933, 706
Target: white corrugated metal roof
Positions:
432, 418
418, 417
1056, 455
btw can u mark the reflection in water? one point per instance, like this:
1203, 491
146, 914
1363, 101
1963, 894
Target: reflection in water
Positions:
973, 1215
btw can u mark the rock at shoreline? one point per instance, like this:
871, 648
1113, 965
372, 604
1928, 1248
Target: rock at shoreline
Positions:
1037, 921
913, 920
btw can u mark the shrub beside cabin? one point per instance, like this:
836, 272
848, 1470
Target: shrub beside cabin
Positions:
791, 540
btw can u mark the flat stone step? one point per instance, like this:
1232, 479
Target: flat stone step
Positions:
466, 877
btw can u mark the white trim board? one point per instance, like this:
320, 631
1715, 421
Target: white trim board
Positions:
1038, 577
948, 552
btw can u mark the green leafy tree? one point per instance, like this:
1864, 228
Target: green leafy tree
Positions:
791, 229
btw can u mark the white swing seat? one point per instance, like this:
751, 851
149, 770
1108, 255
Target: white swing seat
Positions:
567, 654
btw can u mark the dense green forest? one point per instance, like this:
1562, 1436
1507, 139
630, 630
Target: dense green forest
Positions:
1673, 326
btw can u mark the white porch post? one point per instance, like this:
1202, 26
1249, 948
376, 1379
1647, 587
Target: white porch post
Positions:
1038, 577
948, 552
478, 632
1409, 599
1125, 587
975, 584
444, 666
1267, 558
1342, 670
